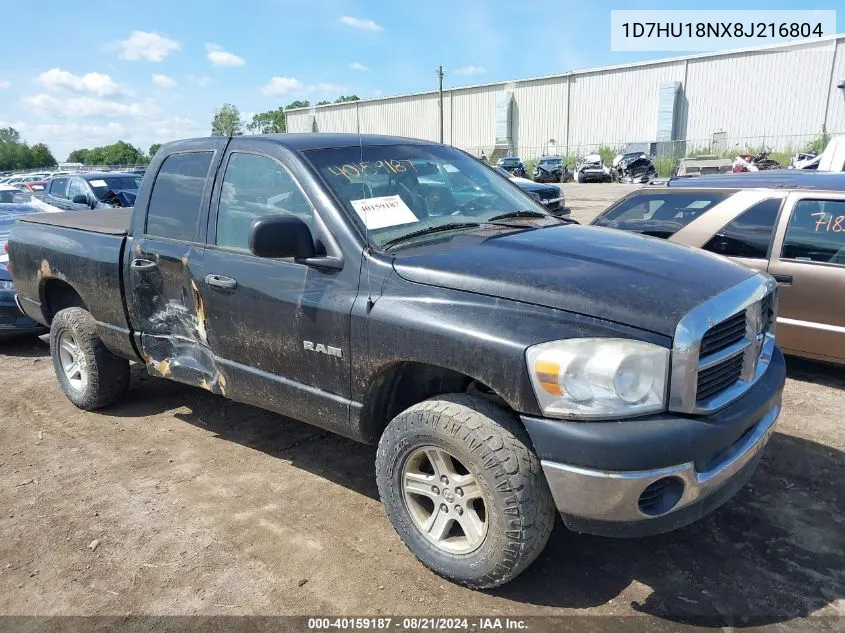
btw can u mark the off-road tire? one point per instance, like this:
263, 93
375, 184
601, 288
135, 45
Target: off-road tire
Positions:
107, 375
494, 446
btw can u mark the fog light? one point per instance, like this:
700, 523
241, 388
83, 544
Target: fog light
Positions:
661, 496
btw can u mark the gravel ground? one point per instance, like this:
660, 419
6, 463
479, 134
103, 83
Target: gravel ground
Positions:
179, 502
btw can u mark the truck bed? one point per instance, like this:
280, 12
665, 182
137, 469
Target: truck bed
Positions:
109, 222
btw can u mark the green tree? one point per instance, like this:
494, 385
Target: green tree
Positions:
16, 154
78, 156
293, 105
120, 153
9, 135
270, 122
227, 121
42, 156
153, 149
323, 102
347, 98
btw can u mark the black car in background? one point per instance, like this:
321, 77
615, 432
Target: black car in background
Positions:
550, 196
513, 165
12, 320
92, 190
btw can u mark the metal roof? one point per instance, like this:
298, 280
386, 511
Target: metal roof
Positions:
587, 71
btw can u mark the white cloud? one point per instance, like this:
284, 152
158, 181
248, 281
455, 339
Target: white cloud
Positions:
52, 107
63, 137
377, 93
4, 84
281, 86
153, 47
358, 66
278, 86
199, 80
98, 84
470, 70
218, 57
358, 23
163, 81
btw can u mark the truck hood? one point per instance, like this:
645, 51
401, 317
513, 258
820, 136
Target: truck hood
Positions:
642, 282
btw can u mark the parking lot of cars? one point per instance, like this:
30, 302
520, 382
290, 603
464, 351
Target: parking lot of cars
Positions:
179, 501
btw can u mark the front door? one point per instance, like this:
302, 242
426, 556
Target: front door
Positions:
77, 187
808, 261
279, 329
165, 272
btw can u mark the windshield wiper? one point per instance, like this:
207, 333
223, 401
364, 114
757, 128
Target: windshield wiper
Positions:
519, 214
430, 229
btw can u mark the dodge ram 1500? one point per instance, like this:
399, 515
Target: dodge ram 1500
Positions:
505, 362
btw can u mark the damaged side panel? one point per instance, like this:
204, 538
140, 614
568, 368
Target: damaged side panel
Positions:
167, 306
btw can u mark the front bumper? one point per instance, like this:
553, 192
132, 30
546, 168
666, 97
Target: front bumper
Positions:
648, 476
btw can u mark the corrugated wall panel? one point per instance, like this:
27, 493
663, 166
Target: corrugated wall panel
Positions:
836, 104
618, 106
474, 119
417, 117
540, 111
772, 93
339, 118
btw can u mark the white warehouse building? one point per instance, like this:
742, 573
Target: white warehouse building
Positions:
779, 96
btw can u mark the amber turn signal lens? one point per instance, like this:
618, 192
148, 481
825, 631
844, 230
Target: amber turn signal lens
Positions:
547, 375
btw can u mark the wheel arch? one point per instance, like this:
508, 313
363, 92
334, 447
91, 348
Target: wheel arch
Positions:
56, 295
403, 384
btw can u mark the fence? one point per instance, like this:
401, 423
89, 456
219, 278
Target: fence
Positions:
667, 153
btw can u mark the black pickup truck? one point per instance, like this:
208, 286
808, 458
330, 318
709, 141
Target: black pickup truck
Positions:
505, 361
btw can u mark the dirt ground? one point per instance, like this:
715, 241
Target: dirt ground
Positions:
177, 501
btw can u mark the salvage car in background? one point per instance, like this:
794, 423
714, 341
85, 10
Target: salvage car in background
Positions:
12, 321
513, 165
93, 190
797, 235
591, 168
549, 195
551, 169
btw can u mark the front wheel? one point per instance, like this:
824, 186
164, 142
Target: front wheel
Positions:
464, 489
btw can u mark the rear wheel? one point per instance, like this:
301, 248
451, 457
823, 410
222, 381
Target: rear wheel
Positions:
89, 374
464, 489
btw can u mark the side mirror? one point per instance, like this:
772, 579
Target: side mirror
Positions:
281, 236
80, 198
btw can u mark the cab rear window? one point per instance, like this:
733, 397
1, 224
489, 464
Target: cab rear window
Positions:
659, 213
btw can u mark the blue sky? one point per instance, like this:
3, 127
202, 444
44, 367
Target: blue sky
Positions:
87, 74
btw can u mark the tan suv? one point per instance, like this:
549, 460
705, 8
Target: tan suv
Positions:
796, 235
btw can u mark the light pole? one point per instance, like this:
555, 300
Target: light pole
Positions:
440, 73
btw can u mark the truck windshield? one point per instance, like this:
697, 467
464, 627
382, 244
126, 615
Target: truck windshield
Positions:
393, 190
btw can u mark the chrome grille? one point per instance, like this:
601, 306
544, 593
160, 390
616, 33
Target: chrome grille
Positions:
723, 346
724, 334
718, 378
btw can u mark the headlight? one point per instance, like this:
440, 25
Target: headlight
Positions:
6, 285
598, 377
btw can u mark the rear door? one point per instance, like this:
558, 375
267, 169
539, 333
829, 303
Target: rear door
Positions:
57, 192
165, 268
808, 261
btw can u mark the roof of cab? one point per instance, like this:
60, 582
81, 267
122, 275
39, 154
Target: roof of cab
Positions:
99, 175
319, 140
778, 178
